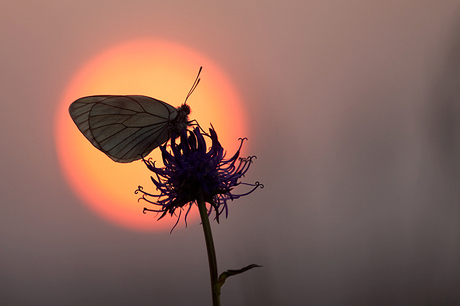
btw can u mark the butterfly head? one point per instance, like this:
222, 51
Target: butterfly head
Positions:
183, 109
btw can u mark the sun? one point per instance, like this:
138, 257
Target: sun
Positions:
159, 69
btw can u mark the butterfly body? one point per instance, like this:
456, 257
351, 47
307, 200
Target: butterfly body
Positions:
127, 128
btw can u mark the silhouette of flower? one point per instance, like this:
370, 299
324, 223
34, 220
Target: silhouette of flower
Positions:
191, 174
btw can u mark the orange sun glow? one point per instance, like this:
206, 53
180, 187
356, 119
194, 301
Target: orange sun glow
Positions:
161, 70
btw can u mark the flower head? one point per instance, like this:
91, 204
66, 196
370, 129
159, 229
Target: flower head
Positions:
191, 173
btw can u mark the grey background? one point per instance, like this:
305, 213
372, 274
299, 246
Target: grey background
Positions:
356, 125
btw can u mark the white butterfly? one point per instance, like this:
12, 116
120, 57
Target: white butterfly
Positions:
127, 128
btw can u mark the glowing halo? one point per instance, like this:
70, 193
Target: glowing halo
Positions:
158, 69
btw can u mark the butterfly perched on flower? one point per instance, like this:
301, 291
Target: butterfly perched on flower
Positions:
127, 128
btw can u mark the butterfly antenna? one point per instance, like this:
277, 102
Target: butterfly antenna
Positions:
194, 85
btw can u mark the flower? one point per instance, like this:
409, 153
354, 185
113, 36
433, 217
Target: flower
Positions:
191, 174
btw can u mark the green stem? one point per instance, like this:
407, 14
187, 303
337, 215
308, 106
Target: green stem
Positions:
211, 251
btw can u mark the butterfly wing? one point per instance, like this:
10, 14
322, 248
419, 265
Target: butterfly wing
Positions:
125, 128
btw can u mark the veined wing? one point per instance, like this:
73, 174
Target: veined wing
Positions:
126, 128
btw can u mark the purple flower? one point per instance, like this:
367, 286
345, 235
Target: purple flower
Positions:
191, 174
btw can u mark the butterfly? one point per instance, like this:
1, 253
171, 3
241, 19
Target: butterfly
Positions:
127, 128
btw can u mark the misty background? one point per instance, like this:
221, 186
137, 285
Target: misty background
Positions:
355, 120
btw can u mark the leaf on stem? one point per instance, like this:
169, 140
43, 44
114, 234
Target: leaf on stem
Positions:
228, 273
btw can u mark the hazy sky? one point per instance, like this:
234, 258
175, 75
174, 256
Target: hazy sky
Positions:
355, 121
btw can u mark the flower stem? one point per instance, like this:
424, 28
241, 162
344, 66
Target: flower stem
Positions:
211, 251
